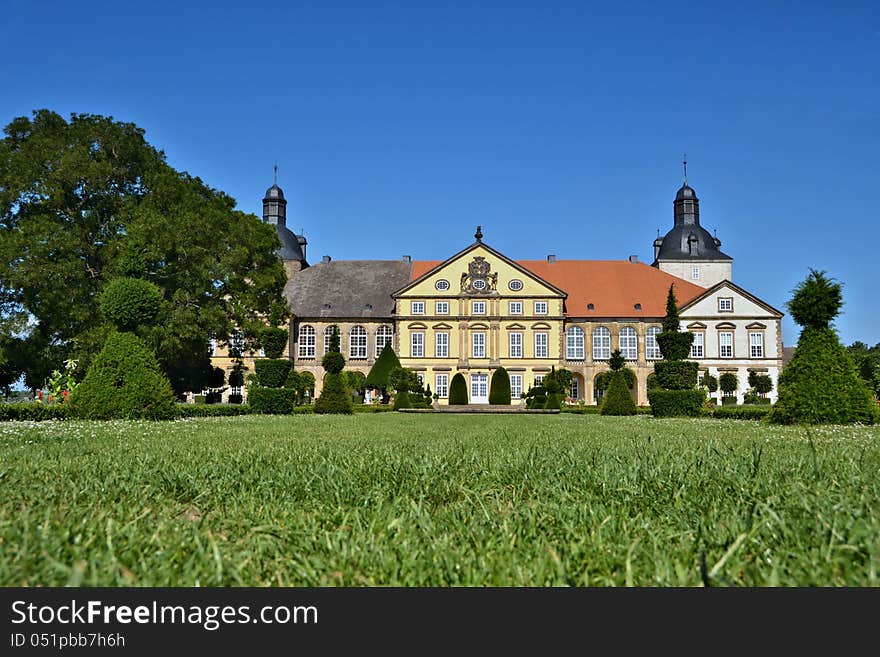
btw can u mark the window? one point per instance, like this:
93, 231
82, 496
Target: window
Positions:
516, 345
441, 345
725, 304
417, 344
697, 345
418, 307
601, 343
540, 307
307, 341
539, 380
652, 349
575, 389
478, 341
421, 378
441, 385
515, 307
479, 308
516, 386
236, 348
574, 343
515, 284
540, 345
695, 273
442, 285
756, 345
357, 342
629, 343
384, 335
212, 346
725, 344
328, 332
235, 390
441, 308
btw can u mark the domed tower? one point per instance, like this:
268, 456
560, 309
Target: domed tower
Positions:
688, 250
293, 247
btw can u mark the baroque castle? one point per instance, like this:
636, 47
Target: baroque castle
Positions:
480, 309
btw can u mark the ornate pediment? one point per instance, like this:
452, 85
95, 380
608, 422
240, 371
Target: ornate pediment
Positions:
479, 279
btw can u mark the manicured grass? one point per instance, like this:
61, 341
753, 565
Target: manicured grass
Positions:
392, 499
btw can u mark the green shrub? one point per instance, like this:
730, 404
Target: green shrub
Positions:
728, 401
334, 397
728, 382
741, 412
200, 399
356, 380
402, 400
271, 401
554, 400
816, 301
499, 388
458, 392
124, 382
236, 374
385, 363
820, 384
618, 399
130, 303
33, 412
755, 398
273, 341
272, 372
293, 381
674, 403
333, 362
675, 345
676, 374
536, 397
651, 381
215, 410
709, 382
234, 399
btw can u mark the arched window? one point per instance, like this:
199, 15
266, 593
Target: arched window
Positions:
629, 343
306, 341
601, 343
384, 335
357, 342
574, 343
328, 331
652, 349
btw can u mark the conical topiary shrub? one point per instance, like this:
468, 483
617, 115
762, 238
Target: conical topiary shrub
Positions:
377, 379
499, 388
334, 397
555, 395
458, 393
820, 384
618, 399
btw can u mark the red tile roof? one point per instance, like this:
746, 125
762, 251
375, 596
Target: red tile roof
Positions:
612, 286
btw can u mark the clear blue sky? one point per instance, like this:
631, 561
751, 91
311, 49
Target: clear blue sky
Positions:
558, 126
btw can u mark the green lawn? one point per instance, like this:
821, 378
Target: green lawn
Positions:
392, 499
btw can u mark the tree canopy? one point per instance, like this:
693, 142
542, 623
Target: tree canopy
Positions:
88, 200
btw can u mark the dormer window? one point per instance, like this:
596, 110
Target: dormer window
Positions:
725, 304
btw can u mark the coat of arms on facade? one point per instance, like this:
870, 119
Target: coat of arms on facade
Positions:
478, 279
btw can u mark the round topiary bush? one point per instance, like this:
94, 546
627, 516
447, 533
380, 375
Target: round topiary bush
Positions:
816, 301
676, 374
273, 341
402, 400
618, 399
124, 382
458, 393
333, 362
334, 397
130, 303
499, 388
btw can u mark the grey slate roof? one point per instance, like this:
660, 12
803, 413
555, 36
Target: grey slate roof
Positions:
690, 242
291, 248
351, 288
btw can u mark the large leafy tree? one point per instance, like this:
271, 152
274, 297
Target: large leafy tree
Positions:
87, 200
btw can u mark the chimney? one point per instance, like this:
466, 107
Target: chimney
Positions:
634, 259
551, 257
325, 259
407, 258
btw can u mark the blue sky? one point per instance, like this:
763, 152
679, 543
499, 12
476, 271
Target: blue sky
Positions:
557, 126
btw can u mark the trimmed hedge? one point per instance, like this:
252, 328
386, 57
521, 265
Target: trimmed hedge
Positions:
124, 382
272, 372
215, 410
618, 399
597, 410
33, 412
130, 303
273, 341
676, 374
334, 397
499, 388
676, 403
271, 401
402, 400
741, 412
728, 401
554, 400
458, 392
536, 397
675, 345
385, 363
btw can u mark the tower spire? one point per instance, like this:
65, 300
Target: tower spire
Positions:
685, 163
276, 173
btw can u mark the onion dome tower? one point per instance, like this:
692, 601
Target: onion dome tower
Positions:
293, 247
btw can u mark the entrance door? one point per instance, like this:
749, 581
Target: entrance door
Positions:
479, 388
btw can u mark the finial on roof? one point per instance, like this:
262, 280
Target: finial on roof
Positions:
685, 162
276, 173
479, 234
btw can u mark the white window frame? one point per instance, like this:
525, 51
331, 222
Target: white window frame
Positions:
514, 308
417, 344
478, 344
601, 343
725, 348
478, 308
386, 335
441, 385
698, 346
540, 307
695, 273
441, 344
539, 379
328, 332
756, 347
652, 348
574, 343
417, 307
516, 385
628, 342
358, 342
236, 345
515, 344
542, 344
441, 308
575, 391
725, 304
307, 341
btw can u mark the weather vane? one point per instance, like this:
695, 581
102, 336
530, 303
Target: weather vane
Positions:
685, 162
276, 173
